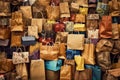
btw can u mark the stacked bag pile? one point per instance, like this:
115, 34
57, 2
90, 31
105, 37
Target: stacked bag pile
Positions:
59, 39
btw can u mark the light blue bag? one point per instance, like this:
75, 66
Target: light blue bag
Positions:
96, 71
53, 65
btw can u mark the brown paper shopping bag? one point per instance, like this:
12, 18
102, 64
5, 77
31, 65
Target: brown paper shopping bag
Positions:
37, 70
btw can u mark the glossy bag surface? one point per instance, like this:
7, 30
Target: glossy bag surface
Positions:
54, 65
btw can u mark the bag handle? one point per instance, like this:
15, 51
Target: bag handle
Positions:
36, 14
19, 49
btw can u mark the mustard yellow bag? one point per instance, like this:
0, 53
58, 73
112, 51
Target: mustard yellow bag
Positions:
80, 63
79, 27
84, 10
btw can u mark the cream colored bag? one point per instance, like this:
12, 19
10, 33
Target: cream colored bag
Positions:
75, 41
22, 71
39, 23
33, 31
37, 70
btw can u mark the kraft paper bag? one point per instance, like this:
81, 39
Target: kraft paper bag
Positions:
26, 11
22, 71
37, 70
75, 41
88, 54
38, 23
65, 73
33, 31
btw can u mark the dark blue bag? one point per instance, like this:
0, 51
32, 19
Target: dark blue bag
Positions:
28, 40
71, 53
53, 65
96, 71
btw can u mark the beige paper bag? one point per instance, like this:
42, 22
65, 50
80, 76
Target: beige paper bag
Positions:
33, 31
75, 41
65, 73
38, 23
37, 70
22, 71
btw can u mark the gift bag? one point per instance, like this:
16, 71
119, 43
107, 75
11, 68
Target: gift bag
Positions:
59, 27
37, 70
28, 40
79, 62
64, 9
79, 27
65, 73
4, 8
4, 42
34, 48
93, 34
16, 22
39, 23
20, 57
48, 27
88, 54
16, 38
26, 11
62, 53
61, 37
105, 28
69, 26
71, 53
92, 24
74, 7
42, 2
75, 41
83, 3
103, 60
104, 45
80, 18
4, 33
6, 65
53, 65
53, 12
115, 31
84, 10
48, 52
33, 31
21, 71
